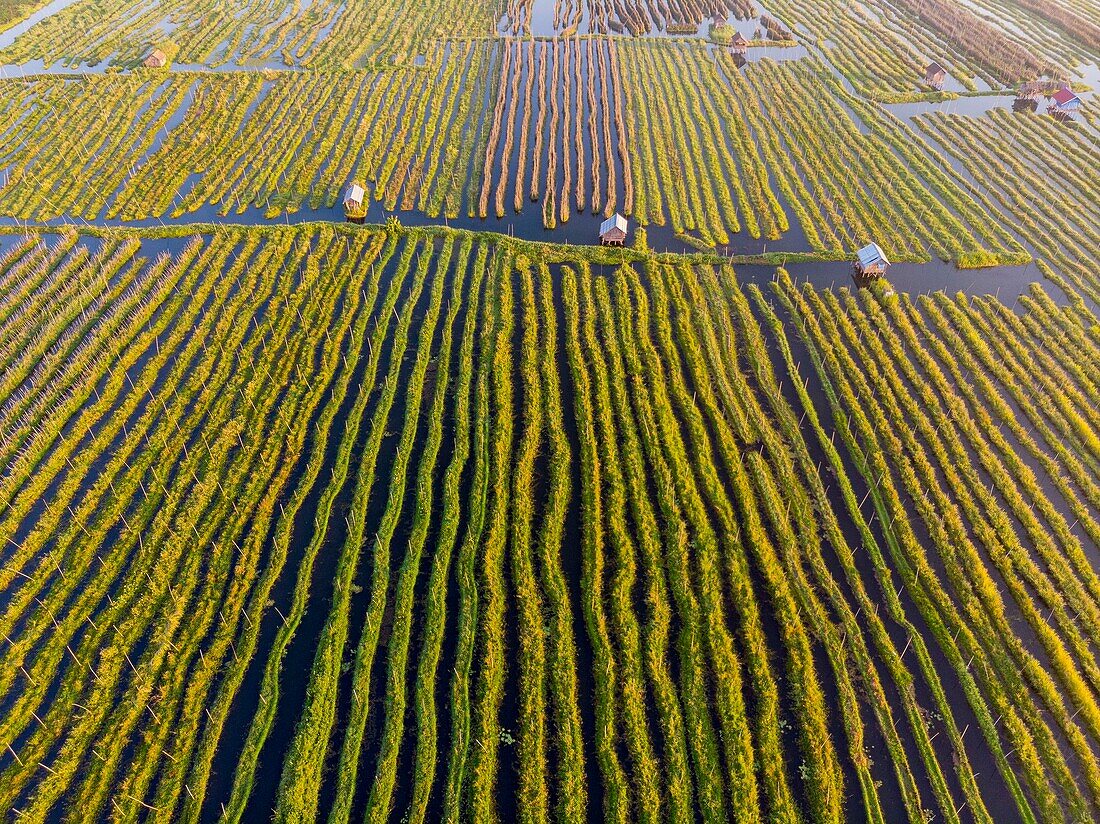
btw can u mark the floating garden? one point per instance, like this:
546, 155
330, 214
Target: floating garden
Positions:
345, 474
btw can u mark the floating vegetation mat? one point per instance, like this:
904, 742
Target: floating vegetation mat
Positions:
1042, 174
322, 34
345, 522
669, 134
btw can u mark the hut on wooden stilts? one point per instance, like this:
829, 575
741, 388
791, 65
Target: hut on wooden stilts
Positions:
871, 262
935, 75
156, 59
613, 230
354, 197
1064, 104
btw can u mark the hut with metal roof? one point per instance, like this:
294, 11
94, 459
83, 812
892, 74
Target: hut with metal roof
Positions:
871, 261
935, 75
354, 197
156, 59
613, 230
1064, 102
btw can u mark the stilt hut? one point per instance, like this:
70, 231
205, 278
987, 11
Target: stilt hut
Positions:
354, 196
739, 45
935, 75
613, 230
156, 59
871, 262
1064, 103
